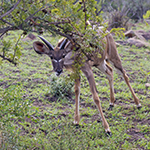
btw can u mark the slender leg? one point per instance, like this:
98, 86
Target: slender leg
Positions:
112, 56
77, 97
136, 100
89, 75
109, 73
106, 69
118, 65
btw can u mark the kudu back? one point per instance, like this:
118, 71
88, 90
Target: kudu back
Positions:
63, 56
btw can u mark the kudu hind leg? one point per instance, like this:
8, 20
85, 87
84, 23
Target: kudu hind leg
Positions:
109, 74
118, 66
77, 97
108, 71
136, 100
89, 75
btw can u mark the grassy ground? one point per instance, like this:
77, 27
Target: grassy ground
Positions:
37, 109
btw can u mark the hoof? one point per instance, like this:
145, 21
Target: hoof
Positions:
110, 107
98, 121
139, 106
109, 133
77, 126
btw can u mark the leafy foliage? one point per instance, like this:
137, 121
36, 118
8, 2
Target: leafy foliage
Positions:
58, 17
146, 16
66, 18
60, 89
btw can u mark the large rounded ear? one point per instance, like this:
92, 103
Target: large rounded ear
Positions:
40, 48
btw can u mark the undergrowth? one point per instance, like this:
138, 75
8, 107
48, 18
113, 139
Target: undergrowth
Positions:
37, 109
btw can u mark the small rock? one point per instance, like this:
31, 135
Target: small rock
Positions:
29, 37
138, 43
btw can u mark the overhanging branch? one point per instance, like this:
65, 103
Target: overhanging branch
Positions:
8, 59
8, 12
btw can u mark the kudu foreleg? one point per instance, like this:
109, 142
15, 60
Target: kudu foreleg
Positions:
89, 75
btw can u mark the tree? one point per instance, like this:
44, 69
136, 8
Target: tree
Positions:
62, 17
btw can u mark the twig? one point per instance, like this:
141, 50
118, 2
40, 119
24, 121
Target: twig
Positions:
54, 23
85, 19
8, 59
31, 16
52, 29
7, 22
62, 34
16, 46
75, 28
6, 29
3, 33
8, 12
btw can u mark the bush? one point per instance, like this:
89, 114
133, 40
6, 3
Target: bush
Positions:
118, 19
61, 88
121, 11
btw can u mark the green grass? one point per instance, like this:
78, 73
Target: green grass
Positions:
34, 117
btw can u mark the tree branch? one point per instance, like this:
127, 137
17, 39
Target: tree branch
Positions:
8, 12
7, 22
31, 16
85, 17
6, 29
12, 61
54, 23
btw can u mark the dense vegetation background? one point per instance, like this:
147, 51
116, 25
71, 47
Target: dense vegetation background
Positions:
37, 109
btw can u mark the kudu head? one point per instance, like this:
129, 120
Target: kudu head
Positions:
56, 54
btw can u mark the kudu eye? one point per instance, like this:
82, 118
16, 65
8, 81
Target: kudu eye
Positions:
51, 57
64, 55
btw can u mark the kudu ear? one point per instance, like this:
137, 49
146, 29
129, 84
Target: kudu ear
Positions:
40, 48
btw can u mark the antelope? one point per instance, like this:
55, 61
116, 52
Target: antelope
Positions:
64, 56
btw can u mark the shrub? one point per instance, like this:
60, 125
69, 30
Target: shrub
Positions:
61, 88
121, 11
118, 19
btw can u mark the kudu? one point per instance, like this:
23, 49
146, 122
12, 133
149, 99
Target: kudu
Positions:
64, 56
